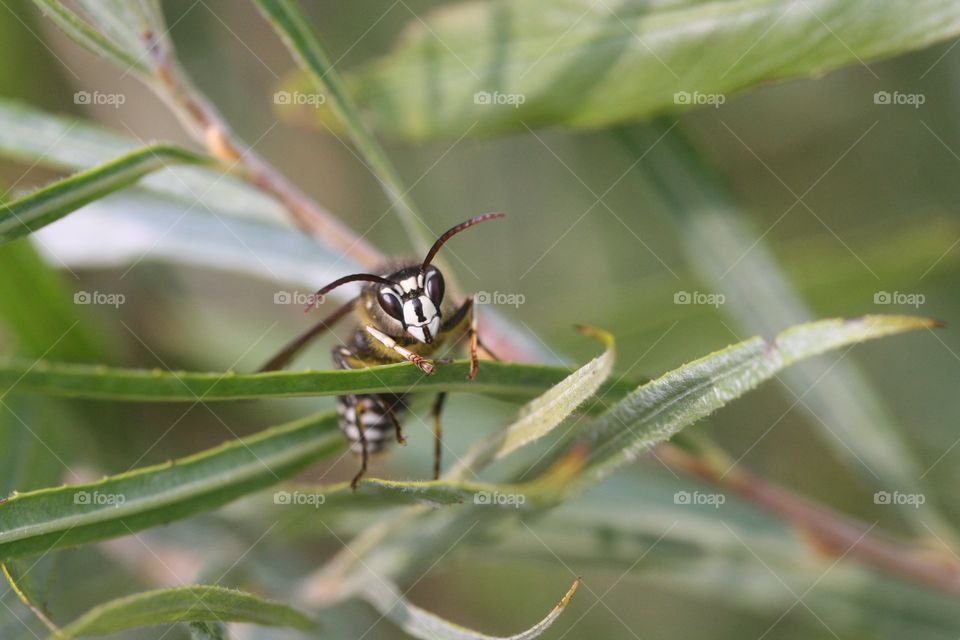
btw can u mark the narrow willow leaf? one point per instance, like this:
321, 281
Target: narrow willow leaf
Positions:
422, 624
728, 553
38, 521
57, 142
31, 289
661, 408
510, 380
292, 26
135, 25
505, 64
50, 203
207, 603
209, 631
731, 258
88, 36
541, 415
375, 492
651, 414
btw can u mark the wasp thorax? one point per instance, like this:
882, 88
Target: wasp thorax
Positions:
414, 301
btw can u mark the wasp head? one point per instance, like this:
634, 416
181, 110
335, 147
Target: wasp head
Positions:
413, 299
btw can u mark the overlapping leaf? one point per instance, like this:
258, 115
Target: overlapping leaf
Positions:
495, 67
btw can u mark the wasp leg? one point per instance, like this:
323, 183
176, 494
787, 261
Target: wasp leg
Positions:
388, 411
364, 453
422, 363
295, 346
437, 433
464, 319
484, 348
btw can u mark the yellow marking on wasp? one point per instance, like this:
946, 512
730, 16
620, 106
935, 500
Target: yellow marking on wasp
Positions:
425, 365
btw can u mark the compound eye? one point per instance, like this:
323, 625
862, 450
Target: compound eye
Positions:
390, 303
434, 286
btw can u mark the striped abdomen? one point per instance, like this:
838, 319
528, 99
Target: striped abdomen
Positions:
373, 411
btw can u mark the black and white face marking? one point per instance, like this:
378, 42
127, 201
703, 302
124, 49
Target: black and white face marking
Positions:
415, 303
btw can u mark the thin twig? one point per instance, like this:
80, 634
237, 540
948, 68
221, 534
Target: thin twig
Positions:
208, 127
833, 532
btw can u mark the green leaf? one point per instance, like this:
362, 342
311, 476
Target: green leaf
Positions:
581, 63
86, 35
661, 408
38, 521
209, 631
423, 624
510, 380
651, 414
731, 258
541, 415
205, 603
376, 492
731, 555
57, 142
293, 27
36, 306
46, 205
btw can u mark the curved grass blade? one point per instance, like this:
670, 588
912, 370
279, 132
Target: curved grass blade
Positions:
504, 65
423, 624
504, 379
544, 413
194, 603
38, 521
48, 204
661, 408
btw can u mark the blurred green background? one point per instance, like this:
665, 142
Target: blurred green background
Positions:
878, 214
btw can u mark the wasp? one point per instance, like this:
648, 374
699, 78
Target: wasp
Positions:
401, 315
